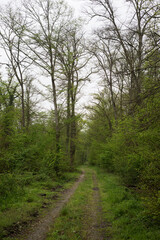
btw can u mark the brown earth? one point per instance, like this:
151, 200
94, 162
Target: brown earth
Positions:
40, 229
95, 228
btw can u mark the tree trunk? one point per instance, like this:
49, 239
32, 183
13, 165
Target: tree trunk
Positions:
23, 106
73, 136
68, 124
56, 116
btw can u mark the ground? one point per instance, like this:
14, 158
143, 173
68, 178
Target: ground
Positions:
96, 206
90, 221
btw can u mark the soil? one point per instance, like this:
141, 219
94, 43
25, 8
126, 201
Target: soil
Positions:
40, 229
95, 228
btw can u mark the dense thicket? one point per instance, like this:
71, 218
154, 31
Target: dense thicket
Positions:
123, 133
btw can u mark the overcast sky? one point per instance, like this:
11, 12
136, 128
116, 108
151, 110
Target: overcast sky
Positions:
79, 6
74, 3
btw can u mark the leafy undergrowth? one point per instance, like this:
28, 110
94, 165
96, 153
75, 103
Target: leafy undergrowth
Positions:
125, 210
25, 197
69, 225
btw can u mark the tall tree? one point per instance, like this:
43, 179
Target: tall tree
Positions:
106, 58
48, 19
132, 36
73, 59
8, 95
13, 26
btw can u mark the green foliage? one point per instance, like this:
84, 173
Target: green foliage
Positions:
105, 159
23, 196
135, 157
11, 189
70, 223
54, 163
125, 210
132, 151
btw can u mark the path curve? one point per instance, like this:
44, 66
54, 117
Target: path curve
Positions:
41, 228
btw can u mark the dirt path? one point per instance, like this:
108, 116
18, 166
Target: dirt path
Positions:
95, 227
40, 229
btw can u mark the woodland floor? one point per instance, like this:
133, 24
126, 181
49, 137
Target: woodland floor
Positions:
41, 228
93, 226
95, 206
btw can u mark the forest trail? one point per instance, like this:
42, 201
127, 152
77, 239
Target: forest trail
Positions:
95, 227
40, 229
87, 215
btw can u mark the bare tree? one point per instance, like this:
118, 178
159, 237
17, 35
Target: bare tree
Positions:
13, 26
105, 59
48, 19
73, 59
132, 36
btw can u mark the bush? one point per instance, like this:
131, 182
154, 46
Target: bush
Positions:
106, 159
11, 188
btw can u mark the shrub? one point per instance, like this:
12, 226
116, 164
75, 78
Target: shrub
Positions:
11, 188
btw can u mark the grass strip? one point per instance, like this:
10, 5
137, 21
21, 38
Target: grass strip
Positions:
69, 225
124, 210
39, 194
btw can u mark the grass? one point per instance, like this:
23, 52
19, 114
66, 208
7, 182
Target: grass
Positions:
124, 210
26, 197
69, 225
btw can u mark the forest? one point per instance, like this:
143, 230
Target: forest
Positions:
48, 59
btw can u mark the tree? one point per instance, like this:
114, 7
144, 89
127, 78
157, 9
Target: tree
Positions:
131, 36
8, 95
49, 19
106, 63
100, 127
73, 59
13, 26
31, 101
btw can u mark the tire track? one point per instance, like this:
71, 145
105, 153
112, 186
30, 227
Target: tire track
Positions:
40, 230
95, 226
